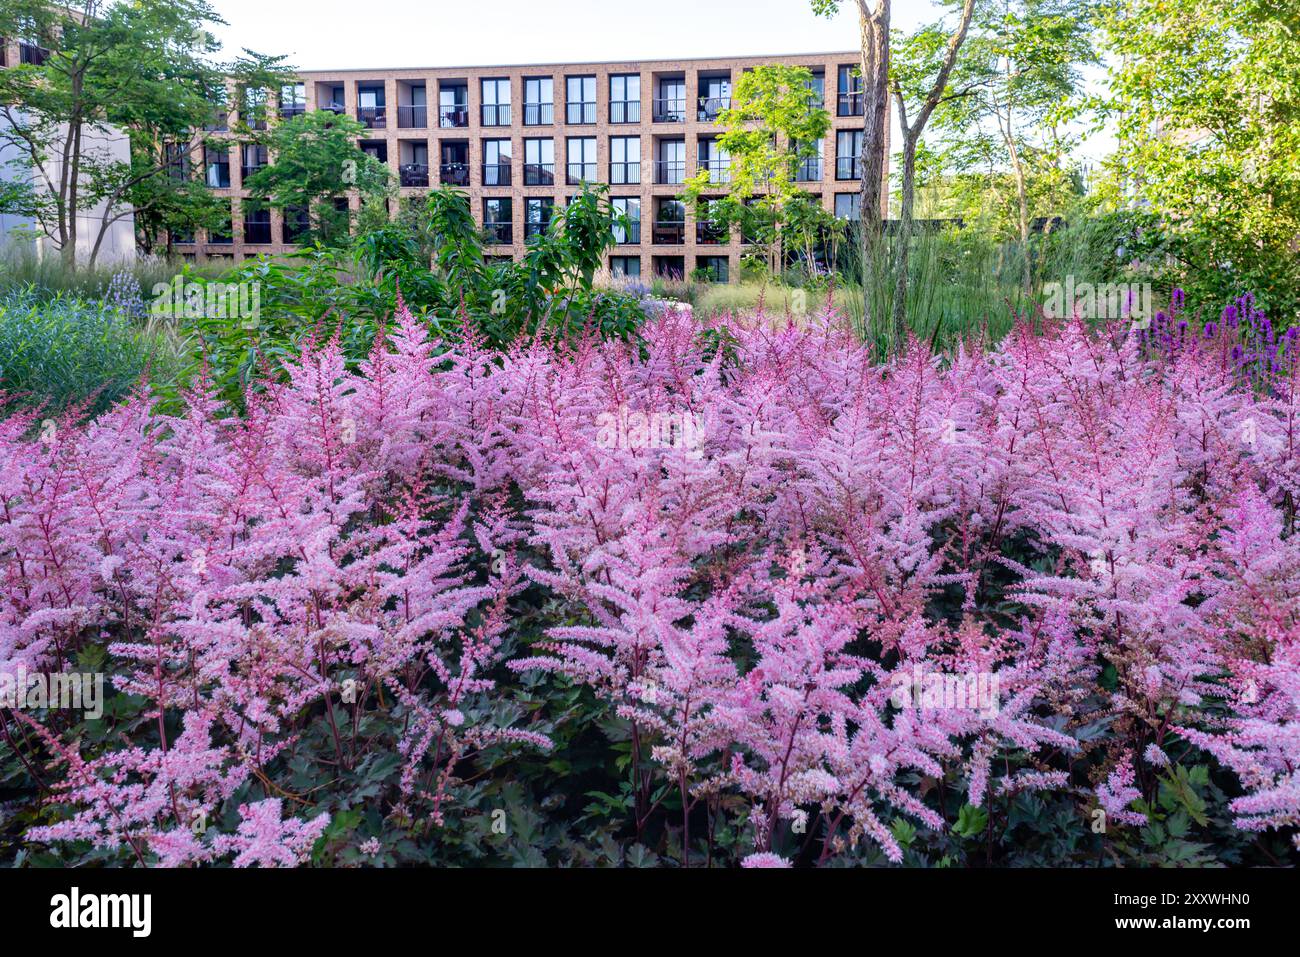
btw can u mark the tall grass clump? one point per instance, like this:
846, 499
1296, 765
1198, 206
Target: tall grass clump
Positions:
61, 350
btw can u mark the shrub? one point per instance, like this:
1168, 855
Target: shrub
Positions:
732, 575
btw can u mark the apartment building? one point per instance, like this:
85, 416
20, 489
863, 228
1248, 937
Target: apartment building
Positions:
520, 140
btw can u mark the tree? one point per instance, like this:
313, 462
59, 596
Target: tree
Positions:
1014, 86
772, 126
1206, 97
314, 160
922, 65
139, 69
873, 36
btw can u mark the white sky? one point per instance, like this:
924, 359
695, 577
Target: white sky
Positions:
342, 34
336, 34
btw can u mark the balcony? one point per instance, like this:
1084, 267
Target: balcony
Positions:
539, 174
454, 174
539, 114
289, 110
711, 234
413, 116
413, 174
625, 111
671, 110
711, 107
373, 117
719, 170
621, 174
496, 174
498, 234
669, 233
579, 173
334, 106
580, 114
848, 167
849, 104
670, 172
496, 114
453, 117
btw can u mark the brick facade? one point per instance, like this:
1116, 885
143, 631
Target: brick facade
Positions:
663, 112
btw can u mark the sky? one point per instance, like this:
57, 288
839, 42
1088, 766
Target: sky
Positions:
337, 34
365, 34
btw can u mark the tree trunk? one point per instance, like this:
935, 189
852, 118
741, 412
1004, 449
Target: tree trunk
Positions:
873, 28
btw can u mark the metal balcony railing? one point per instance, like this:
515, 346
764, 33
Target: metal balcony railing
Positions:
496, 114
849, 104
670, 110
629, 234
539, 174
808, 170
578, 173
535, 229
670, 172
539, 114
373, 117
719, 170
711, 234
669, 233
454, 174
498, 234
289, 110
452, 117
413, 174
711, 107
625, 111
848, 167
582, 113
496, 174
246, 171
413, 116
621, 174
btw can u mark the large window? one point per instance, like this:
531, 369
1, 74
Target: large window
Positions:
257, 223
624, 159
293, 100
580, 153
809, 168
625, 98
496, 162
254, 158
848, 205
496, 102
580, 99
216, 163
539, 162
628, 267
849, 101
498, 220
539, 101
371, 108
716, 160
671, 166
848, 154
630, 208
453, 105
537, 215
670, 104
670, 223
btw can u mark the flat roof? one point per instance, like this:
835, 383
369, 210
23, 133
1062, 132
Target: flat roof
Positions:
557, 63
